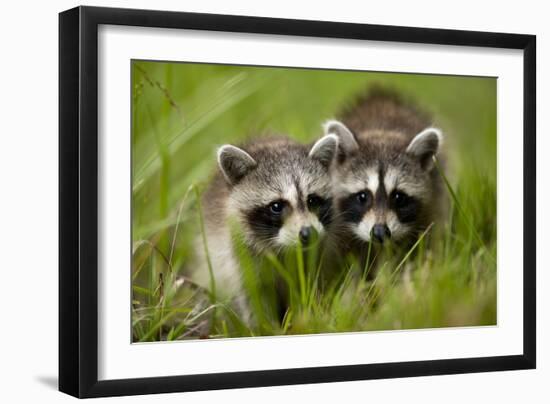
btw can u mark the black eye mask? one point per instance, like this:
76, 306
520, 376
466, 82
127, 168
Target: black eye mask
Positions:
405, 207
266, 221
354, 206
321, 207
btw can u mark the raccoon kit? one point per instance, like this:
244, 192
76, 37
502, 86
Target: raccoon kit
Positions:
278, 191
386, 187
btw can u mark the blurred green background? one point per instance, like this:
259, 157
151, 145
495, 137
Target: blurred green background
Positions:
182, 111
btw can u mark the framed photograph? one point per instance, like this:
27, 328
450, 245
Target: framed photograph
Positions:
251, 201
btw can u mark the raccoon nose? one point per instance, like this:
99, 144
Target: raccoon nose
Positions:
305, 234
381, 232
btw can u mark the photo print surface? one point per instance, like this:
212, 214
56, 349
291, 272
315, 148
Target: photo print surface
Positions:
273, 201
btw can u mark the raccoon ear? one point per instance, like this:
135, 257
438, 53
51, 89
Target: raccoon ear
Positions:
346, 139
234, 163
425, 145
325, 149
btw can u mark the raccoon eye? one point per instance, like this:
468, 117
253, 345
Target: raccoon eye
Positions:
362, 197
314, 201
400, 199
276, 207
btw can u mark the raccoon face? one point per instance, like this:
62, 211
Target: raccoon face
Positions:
384, 183
281, 193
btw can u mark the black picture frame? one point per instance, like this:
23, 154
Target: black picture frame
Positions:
78, 200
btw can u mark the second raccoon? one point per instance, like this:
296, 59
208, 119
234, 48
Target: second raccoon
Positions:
385, 185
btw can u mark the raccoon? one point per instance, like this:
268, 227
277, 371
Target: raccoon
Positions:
386, 188
278, 191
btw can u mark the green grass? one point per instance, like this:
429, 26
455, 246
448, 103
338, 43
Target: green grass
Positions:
182, 112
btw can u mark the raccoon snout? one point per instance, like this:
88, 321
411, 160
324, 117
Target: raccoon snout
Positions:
381, 232
305, 234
